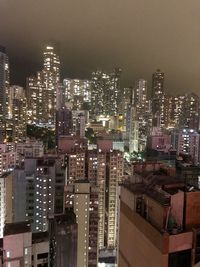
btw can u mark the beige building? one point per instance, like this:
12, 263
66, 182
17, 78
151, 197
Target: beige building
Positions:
159, 225
81, 209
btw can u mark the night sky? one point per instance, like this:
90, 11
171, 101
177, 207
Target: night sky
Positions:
137, 35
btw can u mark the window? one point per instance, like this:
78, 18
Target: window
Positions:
26, 251
42, 256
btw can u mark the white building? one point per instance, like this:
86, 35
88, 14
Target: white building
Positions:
6, 205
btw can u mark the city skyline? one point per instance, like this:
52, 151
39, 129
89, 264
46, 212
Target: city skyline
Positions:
137, 37
99, 134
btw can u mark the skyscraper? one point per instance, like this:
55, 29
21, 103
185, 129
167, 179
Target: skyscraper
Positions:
105, 92
157, 91
4, 84
157, 84
64, 123
42, 89
77, 92
142, 116
17, 114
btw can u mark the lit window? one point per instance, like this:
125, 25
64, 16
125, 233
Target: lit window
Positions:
26, 251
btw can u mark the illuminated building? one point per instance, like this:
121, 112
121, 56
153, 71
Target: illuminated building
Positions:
107, 170
104, 170
190, 113
184, 111
125, 100
17, 112
105, 92
79, 122
4, 84
7, 158
42, 89
76, 166
157, 84
132, 129
42, 189
188, 144
6, 203
81, 209
77, 92
158, 98
83, 198
142, 113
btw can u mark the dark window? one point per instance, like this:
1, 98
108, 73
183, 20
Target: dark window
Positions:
42, 256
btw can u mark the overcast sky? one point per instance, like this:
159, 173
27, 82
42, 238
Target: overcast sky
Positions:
137, 35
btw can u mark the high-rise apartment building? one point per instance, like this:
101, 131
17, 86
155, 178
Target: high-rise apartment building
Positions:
6, 203
125, 100
79, 122
7, 158
42, 183
17, 114
64, 123
157, 84
132, 128
105, 92
78, 93
42, 89
143, 116
191, 109
188, 144
183, 111
104, 170
157, 93
76, 162
82, 196
81, 209
4, 84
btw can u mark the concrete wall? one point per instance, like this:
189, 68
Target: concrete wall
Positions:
15, 245
140, 245
156, 213
192, 216
177, 204
38, 248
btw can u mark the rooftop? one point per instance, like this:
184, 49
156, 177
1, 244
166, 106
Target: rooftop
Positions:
17, 228
40, 237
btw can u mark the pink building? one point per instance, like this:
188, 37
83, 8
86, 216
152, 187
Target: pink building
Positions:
67, 143
161, 142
